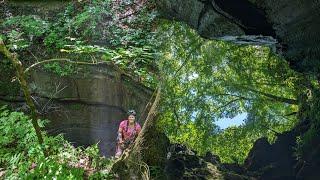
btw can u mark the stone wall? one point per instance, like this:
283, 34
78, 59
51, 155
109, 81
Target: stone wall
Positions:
87, 107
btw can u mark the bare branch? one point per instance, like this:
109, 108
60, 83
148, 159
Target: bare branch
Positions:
290, 114
35, 57
274, 97
227, 104
233, 95
60, 59
270, 96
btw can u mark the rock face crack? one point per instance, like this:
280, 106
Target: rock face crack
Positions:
77, 89
243, 13
232, 19
203, 12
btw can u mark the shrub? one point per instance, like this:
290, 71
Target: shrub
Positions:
22, 156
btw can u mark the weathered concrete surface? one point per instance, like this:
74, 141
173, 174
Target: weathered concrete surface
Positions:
89, 105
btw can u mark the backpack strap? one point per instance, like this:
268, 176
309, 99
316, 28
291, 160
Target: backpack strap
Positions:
127, 126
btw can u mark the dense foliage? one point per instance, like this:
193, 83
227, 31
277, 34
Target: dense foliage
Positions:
203, 81
90, 31
206, 80
21, 156
113, 37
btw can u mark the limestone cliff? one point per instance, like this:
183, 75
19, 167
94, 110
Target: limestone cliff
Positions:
294, 24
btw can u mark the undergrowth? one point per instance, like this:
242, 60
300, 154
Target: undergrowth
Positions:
22, 157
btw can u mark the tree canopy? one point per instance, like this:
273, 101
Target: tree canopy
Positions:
201, 81
207, 80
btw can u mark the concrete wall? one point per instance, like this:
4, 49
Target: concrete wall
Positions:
91, 104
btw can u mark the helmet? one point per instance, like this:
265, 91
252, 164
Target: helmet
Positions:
132, 112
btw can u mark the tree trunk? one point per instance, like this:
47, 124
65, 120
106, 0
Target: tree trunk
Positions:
21, 76
150, 149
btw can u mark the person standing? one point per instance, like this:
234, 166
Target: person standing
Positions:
127, 133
